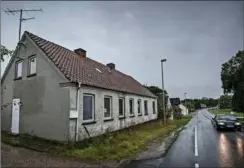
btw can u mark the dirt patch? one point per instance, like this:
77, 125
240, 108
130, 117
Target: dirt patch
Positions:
20, 157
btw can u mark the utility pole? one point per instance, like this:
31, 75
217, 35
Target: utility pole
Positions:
185, 100
164, 113
21, 19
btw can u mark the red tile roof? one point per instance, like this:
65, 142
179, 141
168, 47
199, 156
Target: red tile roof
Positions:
83, 69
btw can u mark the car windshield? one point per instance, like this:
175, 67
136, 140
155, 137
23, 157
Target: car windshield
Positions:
226, 117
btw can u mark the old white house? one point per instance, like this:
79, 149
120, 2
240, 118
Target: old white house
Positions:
55, 93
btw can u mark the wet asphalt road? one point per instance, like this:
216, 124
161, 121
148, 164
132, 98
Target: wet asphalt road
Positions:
200, 145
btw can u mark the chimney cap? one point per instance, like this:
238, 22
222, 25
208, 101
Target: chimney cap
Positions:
80, 52
79, 49
111, 65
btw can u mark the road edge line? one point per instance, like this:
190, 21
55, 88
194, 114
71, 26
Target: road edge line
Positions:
196, 146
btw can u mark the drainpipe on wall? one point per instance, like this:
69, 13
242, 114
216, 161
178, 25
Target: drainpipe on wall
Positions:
77, 119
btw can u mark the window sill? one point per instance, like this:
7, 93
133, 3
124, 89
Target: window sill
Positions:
88, 122
108, 119
19, 78
132, 116
31, 75
145, 114
122, 117
139, 114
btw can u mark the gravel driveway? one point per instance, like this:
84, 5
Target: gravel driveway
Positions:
21, 157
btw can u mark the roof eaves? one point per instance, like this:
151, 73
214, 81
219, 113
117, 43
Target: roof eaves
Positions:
117, 90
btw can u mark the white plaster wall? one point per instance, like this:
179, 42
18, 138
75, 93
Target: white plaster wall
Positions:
102, 126
184, 110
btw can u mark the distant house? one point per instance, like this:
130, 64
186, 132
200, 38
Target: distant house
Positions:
203, 105
55, 93
175, 101
184, 110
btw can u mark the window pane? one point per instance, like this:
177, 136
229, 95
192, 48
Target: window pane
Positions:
121, 107
87, 107
139, 106
107, 107
131, 106
154, 111
32, 65
145, 107
19, 69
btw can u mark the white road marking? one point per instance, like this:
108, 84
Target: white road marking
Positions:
240, 133
196, 165
196, 147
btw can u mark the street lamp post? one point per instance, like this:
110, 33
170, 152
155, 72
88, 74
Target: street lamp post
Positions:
185, 98
164, 113
185, 101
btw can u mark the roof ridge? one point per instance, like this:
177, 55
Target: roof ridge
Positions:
75, 53
84, 70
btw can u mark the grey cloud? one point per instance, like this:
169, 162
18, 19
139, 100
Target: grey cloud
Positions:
195, 37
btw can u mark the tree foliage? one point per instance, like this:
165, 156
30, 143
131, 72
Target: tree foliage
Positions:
176, 112
5, 52
194, 104
232, 77
158, 92
155, 90
225, 102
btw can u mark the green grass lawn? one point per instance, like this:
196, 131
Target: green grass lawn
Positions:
227, 111
109, 146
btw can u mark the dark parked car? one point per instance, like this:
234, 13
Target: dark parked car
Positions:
224, 121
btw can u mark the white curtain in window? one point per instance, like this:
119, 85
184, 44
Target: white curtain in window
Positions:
19, 69
33, 65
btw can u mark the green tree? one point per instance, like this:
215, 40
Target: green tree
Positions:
155, 90
225, 102
232, 77
158, 92
5, 52
194, 104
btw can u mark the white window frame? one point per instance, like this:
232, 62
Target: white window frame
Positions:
29, 64
111, 107
154, 107
133, 111
17, 63
93, 108
145, 101
139, 106
123, 105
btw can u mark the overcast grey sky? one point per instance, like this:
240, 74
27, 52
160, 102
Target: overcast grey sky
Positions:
194, 37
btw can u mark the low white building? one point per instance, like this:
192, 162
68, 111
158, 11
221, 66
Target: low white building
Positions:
184, 109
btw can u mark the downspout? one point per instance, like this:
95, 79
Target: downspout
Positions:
77, 119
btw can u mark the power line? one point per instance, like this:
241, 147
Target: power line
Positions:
21, 19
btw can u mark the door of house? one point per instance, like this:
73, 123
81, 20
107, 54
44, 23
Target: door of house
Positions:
15, 116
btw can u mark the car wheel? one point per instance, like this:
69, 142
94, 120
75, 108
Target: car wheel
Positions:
217, 128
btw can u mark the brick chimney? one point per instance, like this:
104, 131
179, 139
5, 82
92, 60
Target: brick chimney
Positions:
80, 52
111, 66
